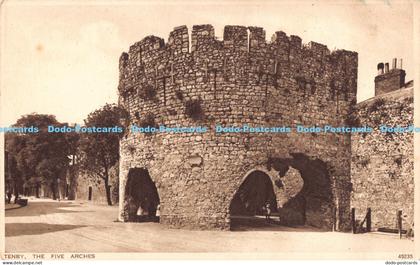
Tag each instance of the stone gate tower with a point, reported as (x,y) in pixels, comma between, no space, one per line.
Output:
(199,179)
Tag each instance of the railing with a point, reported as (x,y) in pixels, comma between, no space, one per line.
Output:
(366,224)
(399,223)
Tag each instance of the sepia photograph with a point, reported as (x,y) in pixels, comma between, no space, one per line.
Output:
(208,129)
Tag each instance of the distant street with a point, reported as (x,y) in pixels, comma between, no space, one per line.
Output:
(51,226)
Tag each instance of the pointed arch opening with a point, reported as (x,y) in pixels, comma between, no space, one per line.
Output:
(251,200)
(142,197)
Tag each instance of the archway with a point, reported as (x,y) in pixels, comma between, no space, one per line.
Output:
(313,205)
(141,196)
(250,199)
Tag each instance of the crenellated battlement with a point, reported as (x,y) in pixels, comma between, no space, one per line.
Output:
(242,55)
(236,38)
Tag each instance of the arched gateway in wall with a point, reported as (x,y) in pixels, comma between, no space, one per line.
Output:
(254,193)
(141,196)
(240,80)
(311,203)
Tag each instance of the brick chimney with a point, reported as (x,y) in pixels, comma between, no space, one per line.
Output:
(387,79)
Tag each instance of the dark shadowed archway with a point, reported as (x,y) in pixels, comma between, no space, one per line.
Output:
(313,205)
(253,194)
(141,196)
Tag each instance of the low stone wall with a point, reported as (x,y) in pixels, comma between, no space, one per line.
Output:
(98,194)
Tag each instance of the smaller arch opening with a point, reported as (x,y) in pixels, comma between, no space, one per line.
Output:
(142,197)
(251,201)
(308,188)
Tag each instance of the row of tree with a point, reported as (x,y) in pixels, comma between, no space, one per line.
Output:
(43,159)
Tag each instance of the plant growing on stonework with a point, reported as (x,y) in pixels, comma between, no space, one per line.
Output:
(149,92)
(131,149)
(364,135)
(353,121)
(398,161)
(389,135)
(148,121)
(301,81)
(179,95)
(100,151)
(364,162)
(193,109)
(172,112)
(375,105)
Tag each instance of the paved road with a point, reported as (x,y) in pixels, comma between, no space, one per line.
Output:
(50,226)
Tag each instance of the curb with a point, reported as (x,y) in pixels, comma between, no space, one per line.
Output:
(13,208)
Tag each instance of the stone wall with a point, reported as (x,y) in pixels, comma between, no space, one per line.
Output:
(242,79)
(84,181)
(382,170)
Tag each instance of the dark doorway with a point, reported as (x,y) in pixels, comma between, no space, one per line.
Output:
(141,196)
(313,205)
(249,201)
(90,194)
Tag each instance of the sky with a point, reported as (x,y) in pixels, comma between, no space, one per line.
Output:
(61,58)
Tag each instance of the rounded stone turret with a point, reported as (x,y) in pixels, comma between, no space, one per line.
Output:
(240,80)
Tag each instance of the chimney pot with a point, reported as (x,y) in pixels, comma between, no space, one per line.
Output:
(380,68)
(394,63)
(389,81)
(401,63)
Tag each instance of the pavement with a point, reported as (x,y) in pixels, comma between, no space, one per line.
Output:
(67,226)
(11,206)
